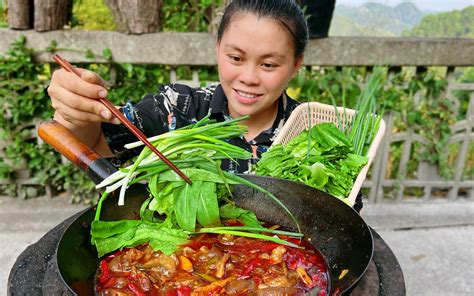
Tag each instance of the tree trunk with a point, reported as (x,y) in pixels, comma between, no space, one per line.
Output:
(215,15)
(52,14)
(136,16)
(20,14)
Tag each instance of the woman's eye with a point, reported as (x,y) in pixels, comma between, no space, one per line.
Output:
(235,58)
(268,66)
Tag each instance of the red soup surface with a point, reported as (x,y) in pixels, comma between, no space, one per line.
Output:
(213,264)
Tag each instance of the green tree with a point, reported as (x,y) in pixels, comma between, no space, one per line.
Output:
(457,24)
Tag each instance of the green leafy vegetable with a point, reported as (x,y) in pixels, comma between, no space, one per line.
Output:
(208,207)
(186,205)
(325,156)
(230,211)
(197,150)
(136,233)
(328,165)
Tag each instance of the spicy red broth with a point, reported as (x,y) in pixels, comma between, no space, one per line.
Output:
(213,264)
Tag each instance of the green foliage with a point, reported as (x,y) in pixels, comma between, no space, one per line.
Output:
(178,16)
(3,16)
(334,84)
(457,23)
(466,76)
(188,16)
(21,95)
(130,82)
(24,101)
(92,15)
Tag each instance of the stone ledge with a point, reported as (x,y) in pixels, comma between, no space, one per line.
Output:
(199,48)
(419,214)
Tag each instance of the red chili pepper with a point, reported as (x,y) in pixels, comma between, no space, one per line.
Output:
(257,280)
(322,293)
(233,222)
(110,283)
(294,258)
(251,264)
(171,292)
(134,276)
(319,279)
(249,267)
(105,272)
(267,247)
(263,247)
(135,289)
(184,291)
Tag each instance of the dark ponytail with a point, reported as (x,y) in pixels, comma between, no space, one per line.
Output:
(287,12)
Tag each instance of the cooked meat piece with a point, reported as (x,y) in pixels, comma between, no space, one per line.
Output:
(119,265)
(274,291)
(277,254)
(214,288)
(220,266)
(239,286)
(226,239)
(273,280)
(164,266)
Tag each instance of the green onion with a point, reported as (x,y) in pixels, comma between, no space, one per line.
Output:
(362,129)
(249,234)
(258,229)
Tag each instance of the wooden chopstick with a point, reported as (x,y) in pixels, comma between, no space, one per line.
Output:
(68,67)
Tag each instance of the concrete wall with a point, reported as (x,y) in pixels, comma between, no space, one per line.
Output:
(199,48)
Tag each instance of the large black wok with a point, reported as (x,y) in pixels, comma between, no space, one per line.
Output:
(334,228)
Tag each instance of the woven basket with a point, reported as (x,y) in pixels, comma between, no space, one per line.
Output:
(308,114)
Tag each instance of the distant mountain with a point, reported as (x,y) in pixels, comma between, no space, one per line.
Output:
(374,19)
(454,24)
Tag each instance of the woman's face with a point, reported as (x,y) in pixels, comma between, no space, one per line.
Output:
(255,60)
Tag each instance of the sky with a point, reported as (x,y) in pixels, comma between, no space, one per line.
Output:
(425,5)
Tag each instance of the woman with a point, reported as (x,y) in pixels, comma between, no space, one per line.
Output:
(260,47)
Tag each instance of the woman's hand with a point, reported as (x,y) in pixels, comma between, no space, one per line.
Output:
(76,99)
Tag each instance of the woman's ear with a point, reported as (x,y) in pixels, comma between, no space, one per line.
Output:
(298,62)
